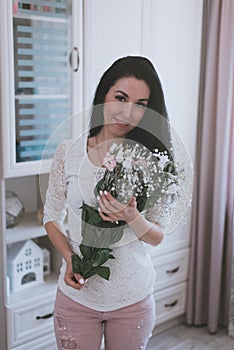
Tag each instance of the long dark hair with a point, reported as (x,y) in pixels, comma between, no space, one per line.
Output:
(153,130)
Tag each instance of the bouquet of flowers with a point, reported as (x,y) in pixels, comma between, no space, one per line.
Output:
(129,170)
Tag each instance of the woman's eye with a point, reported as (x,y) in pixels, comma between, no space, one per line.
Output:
(120,98)
(141,105)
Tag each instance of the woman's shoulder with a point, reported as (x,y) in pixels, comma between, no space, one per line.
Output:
(72,151)
(63,148)
(70,145)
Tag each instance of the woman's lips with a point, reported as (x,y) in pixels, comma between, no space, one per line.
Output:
(120,124)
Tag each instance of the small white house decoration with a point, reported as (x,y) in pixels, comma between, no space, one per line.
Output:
(46,261)
(24,265)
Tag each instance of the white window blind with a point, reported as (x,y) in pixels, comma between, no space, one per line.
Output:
(42,43)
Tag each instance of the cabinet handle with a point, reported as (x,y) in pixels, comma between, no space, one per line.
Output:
(74,59)
(173,270)
(172,304)
(45,316)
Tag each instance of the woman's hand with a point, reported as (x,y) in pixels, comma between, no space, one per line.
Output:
(112,210)
(72,279)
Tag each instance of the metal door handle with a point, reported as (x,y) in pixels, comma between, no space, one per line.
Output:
(44,316)
(172,304)
(173,270)
(74,59)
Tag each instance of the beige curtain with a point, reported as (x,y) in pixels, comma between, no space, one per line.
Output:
(210,263)
(230,223)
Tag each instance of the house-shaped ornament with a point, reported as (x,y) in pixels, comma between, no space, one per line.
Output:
(46,261)
(24,265)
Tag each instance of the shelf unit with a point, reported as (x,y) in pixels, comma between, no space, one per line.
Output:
(43,82)
(92,39)
(28,228)
(41,87)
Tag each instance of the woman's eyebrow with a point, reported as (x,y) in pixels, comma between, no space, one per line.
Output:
(126,95)
(122,92)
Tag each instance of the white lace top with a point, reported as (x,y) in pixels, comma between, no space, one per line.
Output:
(132,276)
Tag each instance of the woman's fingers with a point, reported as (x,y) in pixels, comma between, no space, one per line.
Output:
(104,216)
(79,279)
(109,203)
(107,210)
(110,209)
(74,280)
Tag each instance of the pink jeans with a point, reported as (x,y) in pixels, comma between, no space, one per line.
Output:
(80,328)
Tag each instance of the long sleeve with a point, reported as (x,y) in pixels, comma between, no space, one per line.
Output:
(156,214)
(55,203)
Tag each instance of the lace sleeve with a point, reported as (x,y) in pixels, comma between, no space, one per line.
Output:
(155,214)
(55,203)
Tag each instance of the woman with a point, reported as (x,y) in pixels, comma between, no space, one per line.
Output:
(127,100)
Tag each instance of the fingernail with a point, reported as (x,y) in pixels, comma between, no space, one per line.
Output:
(99,209)
(98,198)
(116,222)
(101,192)
(105,192)
(81,281)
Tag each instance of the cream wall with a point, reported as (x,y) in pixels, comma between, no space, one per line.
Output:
(174,47)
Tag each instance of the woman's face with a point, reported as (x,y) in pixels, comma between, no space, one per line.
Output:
(124,106)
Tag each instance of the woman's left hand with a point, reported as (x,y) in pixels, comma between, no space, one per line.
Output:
(110,209)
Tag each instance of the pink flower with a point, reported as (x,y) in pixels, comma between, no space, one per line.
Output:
(109,162)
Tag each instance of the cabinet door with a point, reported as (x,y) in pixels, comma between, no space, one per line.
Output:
(40,68)
(170,303)
(112,29)
(27,323)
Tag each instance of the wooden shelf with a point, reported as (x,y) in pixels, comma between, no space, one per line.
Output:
(27,228)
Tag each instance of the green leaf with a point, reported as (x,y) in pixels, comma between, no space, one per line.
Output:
(76,263)
(104,272)
(102,256)
(86,268)
(86,251)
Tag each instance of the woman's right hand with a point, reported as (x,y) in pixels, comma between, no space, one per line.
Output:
(74,280)
(61,243)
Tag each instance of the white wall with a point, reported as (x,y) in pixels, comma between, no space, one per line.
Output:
(174,47)
(111,29)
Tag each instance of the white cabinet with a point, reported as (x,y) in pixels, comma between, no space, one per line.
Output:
(41,87)
(30,321)
(52,55)
(172,41)
(41,49)
(170,303)
(171,262)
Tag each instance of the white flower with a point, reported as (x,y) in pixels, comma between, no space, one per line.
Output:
(113,148)
(109,162)
(120,156)
(162,161)
(127,163)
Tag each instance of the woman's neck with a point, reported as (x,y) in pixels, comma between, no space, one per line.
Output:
(106,138)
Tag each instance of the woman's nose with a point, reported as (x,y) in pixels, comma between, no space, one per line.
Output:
(127,110)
